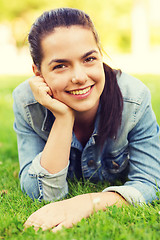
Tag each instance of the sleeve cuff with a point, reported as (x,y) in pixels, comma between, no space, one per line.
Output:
(54,186)
(130,194)
(38,170)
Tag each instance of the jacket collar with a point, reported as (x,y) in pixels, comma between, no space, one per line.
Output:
(48,121)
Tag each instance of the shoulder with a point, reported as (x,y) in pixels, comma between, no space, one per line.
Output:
(132,89)
(23,93)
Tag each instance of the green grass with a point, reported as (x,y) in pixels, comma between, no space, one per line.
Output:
(153,83)
(123,223)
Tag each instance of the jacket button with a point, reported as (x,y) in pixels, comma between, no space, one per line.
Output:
(90,163)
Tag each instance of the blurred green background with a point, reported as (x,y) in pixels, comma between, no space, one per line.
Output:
(111,17)
(129,31)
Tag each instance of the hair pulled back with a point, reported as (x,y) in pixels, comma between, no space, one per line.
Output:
(111,98)
(48,21)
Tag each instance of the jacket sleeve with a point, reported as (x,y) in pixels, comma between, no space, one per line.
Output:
(144,164)
(35,181)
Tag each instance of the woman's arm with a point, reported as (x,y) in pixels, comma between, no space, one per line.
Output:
(36,181)
(53,159)
(55,155)
(68,212)
(144,154)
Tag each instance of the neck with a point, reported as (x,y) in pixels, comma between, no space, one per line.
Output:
(84,125)
(86,118)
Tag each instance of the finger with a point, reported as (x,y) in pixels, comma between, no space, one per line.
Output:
(45,88)
(42,87)
(43,223)
(36,78)
(46,227)
(28,224)
(37,82)
(49,91)
(62,225)
(34,220)
(57,228)
(36,226)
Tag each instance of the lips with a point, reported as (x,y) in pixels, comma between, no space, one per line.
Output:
(80,92)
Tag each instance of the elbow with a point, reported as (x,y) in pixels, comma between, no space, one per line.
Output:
(29,186)
(35,189)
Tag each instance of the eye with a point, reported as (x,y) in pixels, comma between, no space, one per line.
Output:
(90,59)
(60,66)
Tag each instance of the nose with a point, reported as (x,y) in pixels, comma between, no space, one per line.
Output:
(79,75)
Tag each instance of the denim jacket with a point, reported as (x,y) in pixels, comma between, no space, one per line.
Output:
(134,154)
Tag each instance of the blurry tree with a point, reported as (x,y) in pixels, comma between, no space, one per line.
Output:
(154,6)
(9,10)
(140,27)
(18,14)
(112,18)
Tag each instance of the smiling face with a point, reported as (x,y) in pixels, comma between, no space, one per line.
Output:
(72,67)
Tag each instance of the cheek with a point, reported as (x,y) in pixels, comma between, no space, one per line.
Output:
(99,75)
(102,75)
(57,86)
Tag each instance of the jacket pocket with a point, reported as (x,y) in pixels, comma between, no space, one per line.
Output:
(115,162)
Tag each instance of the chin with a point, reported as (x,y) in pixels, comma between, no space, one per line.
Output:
(85,108)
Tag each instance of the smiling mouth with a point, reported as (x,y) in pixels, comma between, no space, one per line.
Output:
(80,92)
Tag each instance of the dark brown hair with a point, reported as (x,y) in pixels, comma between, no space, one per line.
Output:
(111,98)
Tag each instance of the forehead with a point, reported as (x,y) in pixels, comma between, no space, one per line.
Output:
(67,40)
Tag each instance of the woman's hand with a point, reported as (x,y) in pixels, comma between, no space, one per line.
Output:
(71,211)
(43,95)
(63,213)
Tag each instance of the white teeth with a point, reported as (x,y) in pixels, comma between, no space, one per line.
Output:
(80,92)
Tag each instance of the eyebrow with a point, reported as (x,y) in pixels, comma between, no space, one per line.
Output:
(89,53)
(65,60)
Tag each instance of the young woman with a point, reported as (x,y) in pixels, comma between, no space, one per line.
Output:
(80,118)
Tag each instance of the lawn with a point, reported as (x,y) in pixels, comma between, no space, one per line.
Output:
(123,223)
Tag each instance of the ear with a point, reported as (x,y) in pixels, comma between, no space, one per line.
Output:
(35,70)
